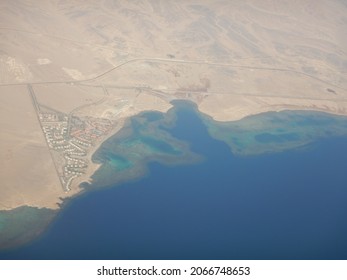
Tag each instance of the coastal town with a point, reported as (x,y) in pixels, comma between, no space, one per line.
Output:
(69,139)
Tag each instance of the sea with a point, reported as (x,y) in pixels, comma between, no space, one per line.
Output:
(183,186)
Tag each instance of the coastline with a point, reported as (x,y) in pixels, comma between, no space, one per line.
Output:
(93,167)
(169,189)
(43,213)
(235,110)
(225,114)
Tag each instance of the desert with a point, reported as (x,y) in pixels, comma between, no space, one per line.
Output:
(72,73)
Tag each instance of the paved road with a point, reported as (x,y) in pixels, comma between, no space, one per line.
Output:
(203,62)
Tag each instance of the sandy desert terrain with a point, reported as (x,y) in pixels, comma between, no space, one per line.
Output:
(71,73)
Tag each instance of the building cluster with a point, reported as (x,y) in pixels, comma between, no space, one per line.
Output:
(85,132)
(72,138)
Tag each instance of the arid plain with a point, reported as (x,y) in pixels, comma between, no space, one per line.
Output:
(72,72)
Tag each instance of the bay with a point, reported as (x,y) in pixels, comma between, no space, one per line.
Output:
(286,204)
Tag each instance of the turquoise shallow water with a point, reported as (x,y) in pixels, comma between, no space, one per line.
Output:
(273,132)
(23,224)
(275,189)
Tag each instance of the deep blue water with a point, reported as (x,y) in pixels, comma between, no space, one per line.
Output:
(286,205)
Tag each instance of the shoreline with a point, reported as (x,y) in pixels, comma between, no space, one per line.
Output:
(82,207)
(93,167)
(76,188)
(221,112)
